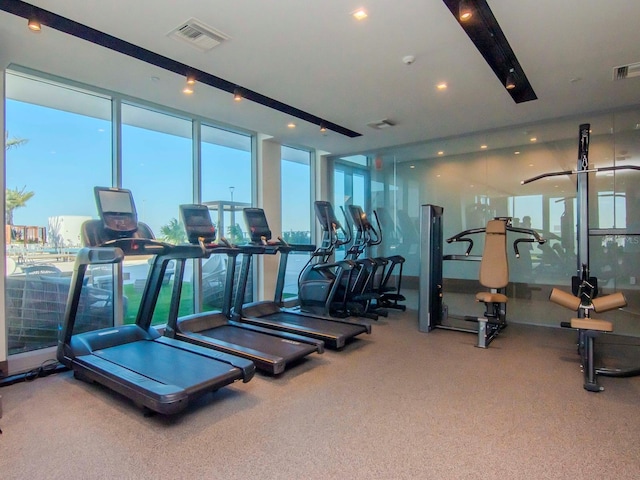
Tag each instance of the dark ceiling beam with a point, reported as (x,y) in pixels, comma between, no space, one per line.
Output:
(65,25)
(485,33)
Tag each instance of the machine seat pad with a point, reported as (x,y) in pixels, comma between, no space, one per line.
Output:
(489,297)
(592,324)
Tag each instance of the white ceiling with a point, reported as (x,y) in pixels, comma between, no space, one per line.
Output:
(314,56)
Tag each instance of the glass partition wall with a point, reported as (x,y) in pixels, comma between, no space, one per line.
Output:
(478,177)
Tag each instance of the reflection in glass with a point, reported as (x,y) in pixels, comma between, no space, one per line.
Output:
(58,148)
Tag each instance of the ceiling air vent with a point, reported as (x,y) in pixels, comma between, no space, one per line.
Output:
(626,71)
(381,124)
(198,35)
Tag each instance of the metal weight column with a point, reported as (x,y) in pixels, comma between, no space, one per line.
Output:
(430,280)
(583,202)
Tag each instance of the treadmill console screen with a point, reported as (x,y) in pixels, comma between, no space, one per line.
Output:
(117,210)
(325,214)
(257,224)
(197,223)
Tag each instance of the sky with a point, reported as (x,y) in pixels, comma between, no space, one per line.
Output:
(67,154)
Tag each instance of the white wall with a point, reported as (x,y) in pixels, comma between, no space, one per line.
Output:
(270,199)
(68,227)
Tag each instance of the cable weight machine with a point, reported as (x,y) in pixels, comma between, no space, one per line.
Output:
(584,297)
(494,274)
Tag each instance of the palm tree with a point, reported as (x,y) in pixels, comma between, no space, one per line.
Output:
(13,142)
(173,232)
(15,198)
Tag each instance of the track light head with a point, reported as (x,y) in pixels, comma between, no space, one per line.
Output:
(465,10)
(34,24)
(510,83)
(237,94)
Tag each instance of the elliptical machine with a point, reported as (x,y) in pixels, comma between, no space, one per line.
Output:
(320,281)
(372,283)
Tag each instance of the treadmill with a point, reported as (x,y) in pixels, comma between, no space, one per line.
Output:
(271,314)
(270,350)
(157,373)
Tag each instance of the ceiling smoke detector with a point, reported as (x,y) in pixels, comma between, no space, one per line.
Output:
(198,35)
(381,124)
(626,71)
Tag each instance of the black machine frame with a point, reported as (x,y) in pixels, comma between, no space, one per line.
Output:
(587,336)
(272,314)
(432,312)
(157,373)
(270,350)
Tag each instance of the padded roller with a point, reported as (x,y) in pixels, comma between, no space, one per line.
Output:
(565,299)
(609,302)
(592,324)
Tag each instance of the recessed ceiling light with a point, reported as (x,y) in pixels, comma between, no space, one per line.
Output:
(517,152)
(187,90)
(412,166)
(483,147)
(440,152)
(442,86)
(291,125)
(360,14)
(533,139)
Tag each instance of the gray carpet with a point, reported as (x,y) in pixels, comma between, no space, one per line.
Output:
(397,404)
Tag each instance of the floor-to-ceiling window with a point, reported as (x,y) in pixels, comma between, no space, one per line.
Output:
(157,168)
(62,140)
(226,189)
(352,186)
(58,144)
(295,171)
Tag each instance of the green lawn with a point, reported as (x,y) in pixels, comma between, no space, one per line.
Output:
(161,312)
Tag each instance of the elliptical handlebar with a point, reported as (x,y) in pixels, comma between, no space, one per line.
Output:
(348,234)
(377,234)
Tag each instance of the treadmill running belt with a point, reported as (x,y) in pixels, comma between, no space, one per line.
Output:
(168,365)
(312,324)
(260,342)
